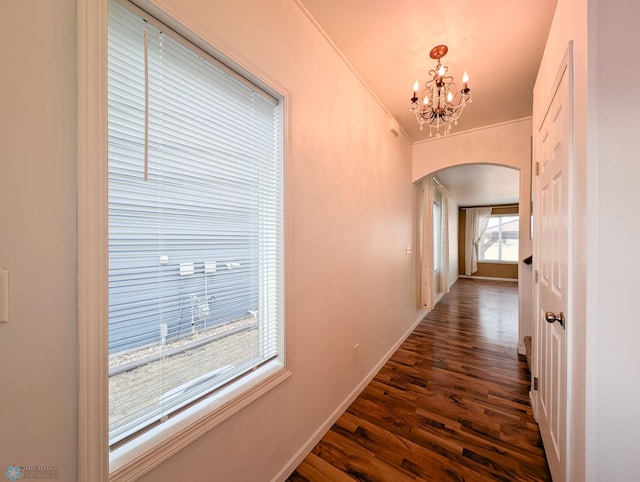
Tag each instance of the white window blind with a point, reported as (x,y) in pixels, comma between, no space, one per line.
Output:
(195,224)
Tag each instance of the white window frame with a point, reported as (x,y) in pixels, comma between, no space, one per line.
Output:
(133,459)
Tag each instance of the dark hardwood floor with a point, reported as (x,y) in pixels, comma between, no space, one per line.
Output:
(451,404)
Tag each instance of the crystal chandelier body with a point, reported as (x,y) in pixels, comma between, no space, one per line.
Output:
(436,106)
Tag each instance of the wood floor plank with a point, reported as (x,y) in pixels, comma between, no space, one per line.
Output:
(361,462)
(315,469)
(452,403)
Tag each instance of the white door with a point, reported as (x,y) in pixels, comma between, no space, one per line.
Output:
(551,238)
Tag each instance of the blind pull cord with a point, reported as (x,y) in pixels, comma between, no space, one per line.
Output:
(146,105)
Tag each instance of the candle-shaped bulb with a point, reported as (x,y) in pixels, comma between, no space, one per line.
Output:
(415,87)
(425,101)
(441,71)
(465,80)
(449,97)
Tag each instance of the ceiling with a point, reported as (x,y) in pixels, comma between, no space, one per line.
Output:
(481,184)
(500,45)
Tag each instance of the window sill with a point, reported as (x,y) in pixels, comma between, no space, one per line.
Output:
(490,261)
(158,444)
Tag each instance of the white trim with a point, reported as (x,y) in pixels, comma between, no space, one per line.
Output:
(570,263)
(92,250)
(306,448)
(588,218)
(482,128)
(489,278)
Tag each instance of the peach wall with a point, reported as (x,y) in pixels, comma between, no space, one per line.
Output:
(507,144)
(38,367)
(350,215)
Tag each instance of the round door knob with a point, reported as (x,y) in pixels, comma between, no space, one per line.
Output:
(551,317)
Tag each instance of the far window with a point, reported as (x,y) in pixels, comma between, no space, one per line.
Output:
(500,240)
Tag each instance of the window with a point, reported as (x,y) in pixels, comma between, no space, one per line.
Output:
(195,225)
(500,240)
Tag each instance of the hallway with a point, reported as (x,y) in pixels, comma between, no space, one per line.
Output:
(451,404)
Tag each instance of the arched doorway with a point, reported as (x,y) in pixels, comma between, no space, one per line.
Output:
(505,146)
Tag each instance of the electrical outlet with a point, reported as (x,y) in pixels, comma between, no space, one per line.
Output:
(356,352)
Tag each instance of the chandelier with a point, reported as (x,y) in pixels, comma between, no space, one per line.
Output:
(436,105)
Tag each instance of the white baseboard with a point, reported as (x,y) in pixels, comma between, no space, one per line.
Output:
(514,280)
(437,298)
(453,281)
(299,456)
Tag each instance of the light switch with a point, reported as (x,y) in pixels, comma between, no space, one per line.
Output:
(4,295)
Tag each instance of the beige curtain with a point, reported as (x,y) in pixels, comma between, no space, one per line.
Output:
(475,226)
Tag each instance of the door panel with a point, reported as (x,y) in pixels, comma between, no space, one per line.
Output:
(552,252)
